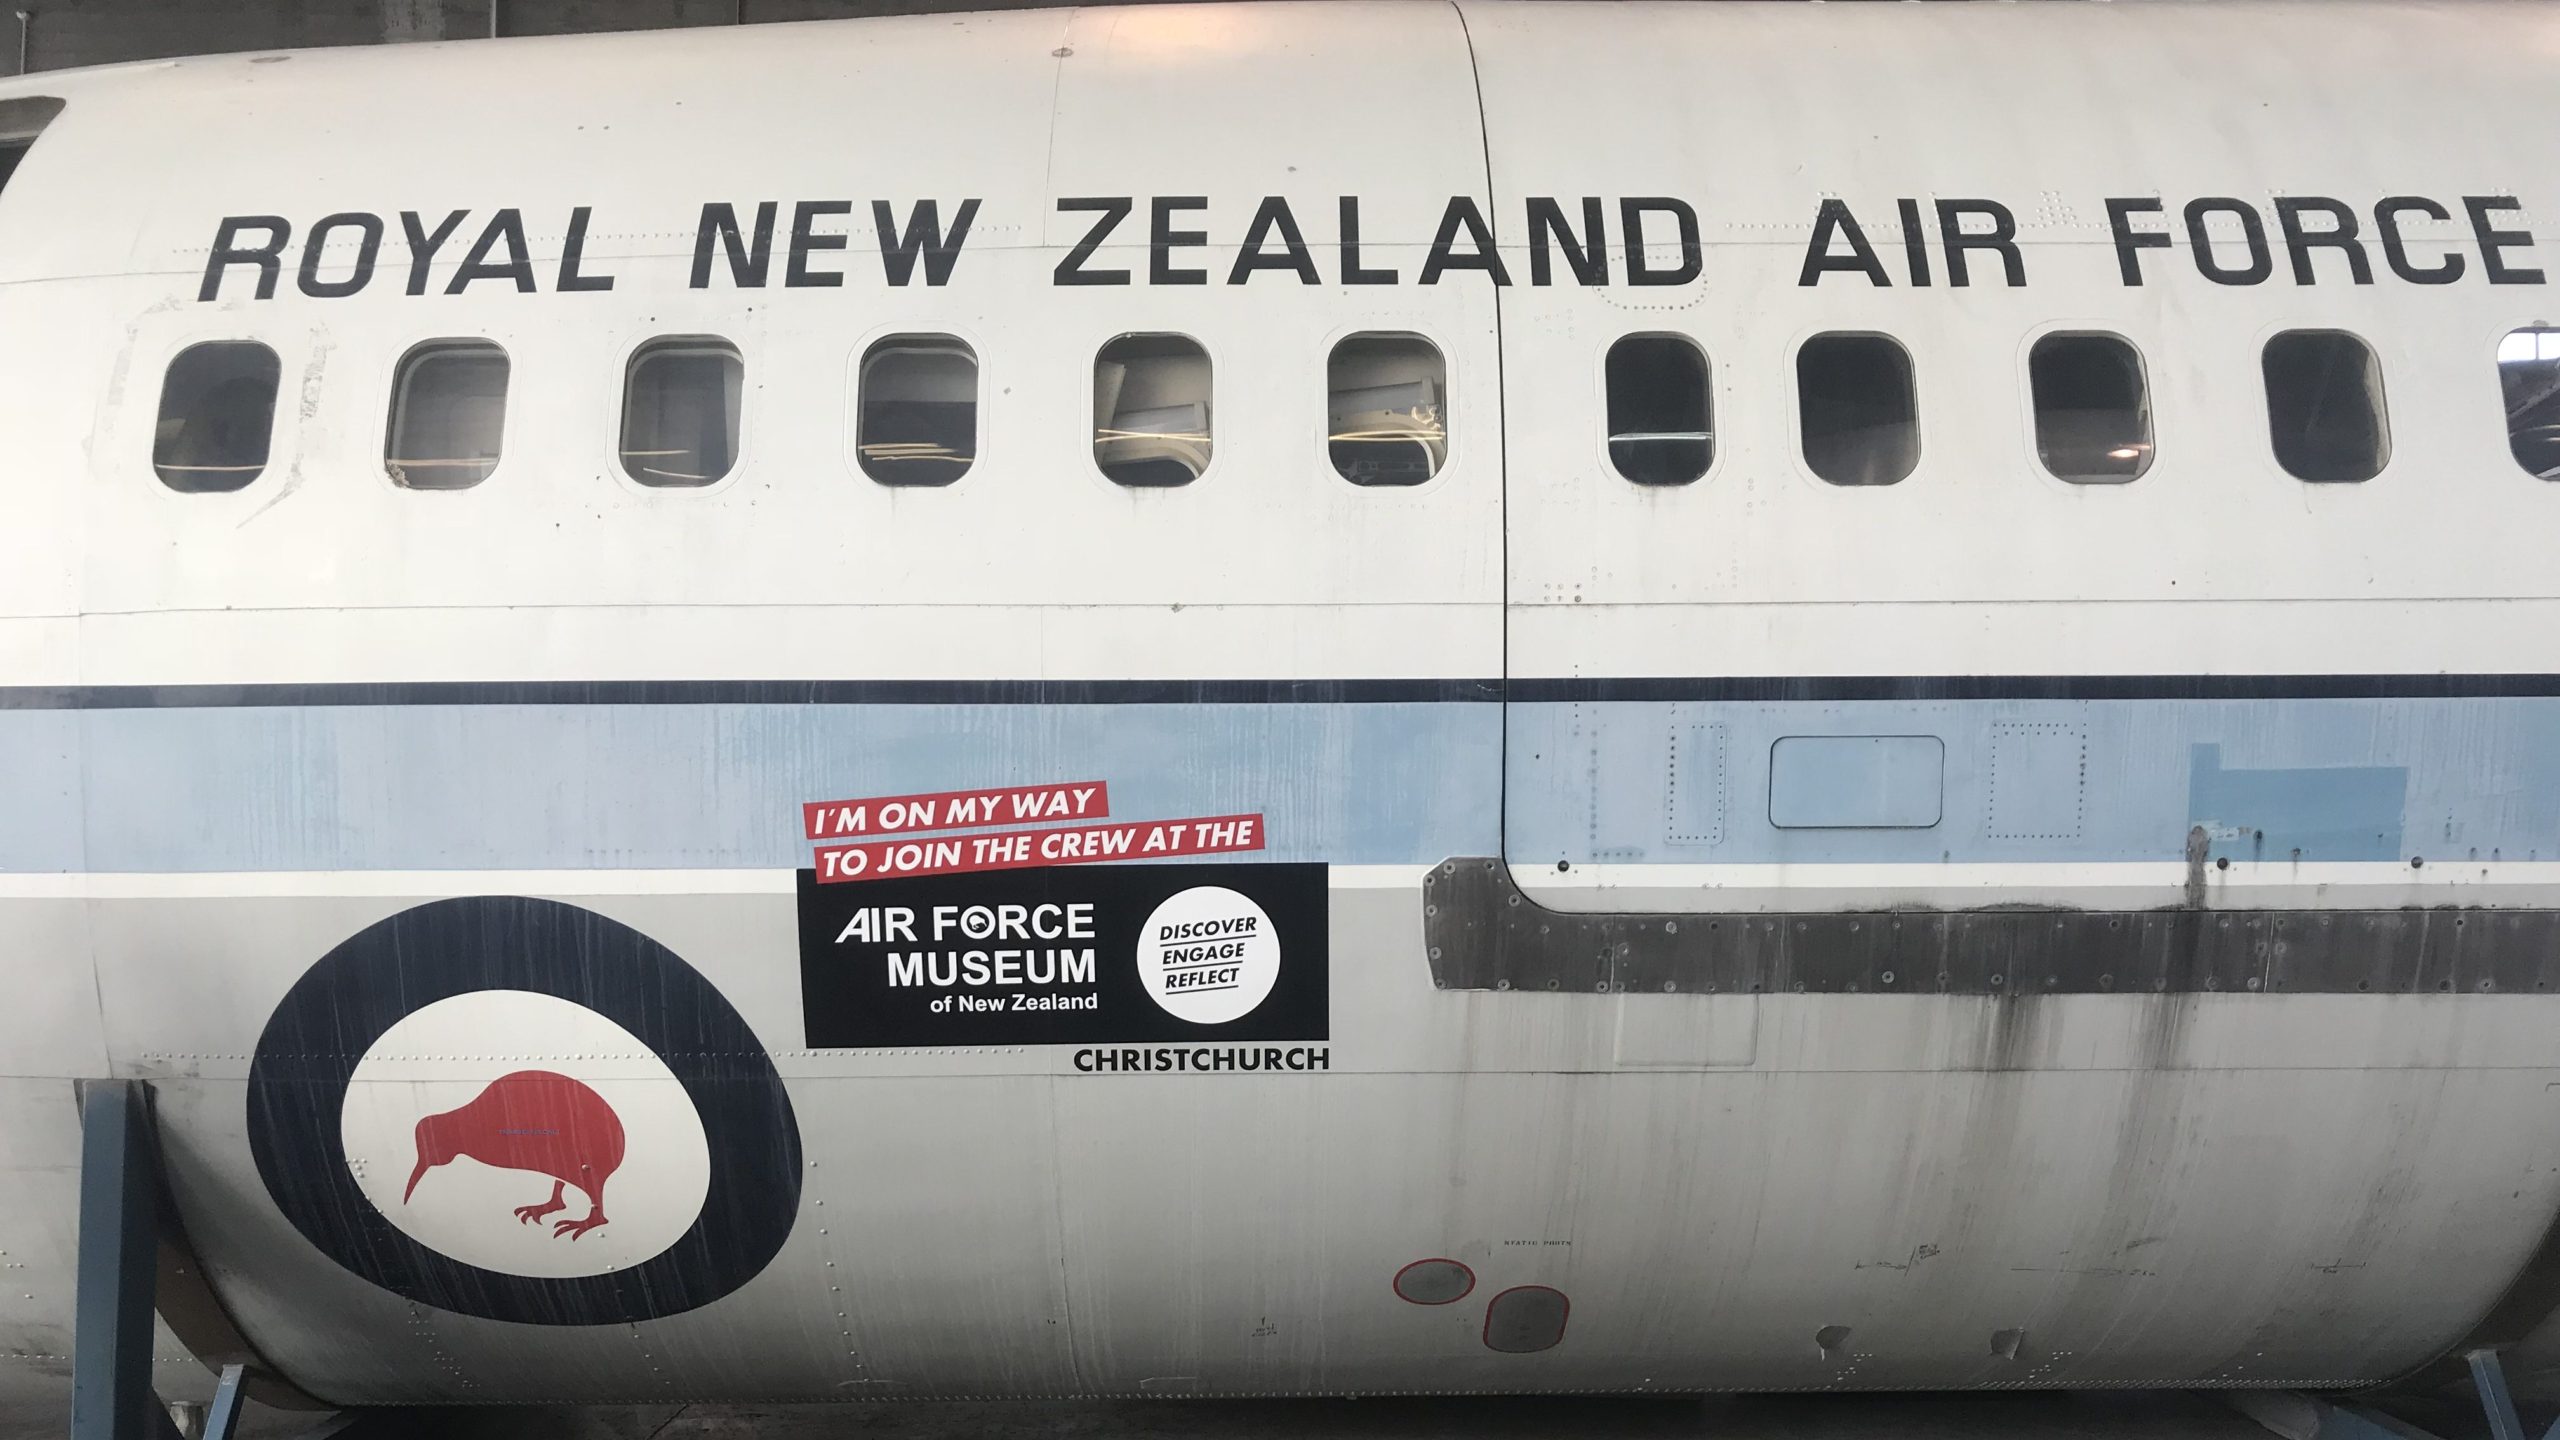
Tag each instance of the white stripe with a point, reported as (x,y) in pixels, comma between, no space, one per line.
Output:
(783,642)
(195,885)
(603,642)
(1673,888)
(2188,636)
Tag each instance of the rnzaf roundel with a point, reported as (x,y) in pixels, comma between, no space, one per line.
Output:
(524,1110)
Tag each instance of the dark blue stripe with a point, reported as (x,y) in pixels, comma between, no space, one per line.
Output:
(2035,687)
(753,692)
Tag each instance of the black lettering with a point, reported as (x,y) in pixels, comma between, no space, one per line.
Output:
(1352,271)
(2395,248)
(2261,263)
(506,226)
(423,244)
(1084,1061)
(922,236)
(748,263)
(2339,234)
(1832,220)
(2492,240)
(1915,241)
(1548,227)
(2130,243)
(805,241)
(573,254)
(228,251)
(2001,237)
(1640,271)
(368,247)
(1273,215)
(1162,238)
(1113,209)
(1461,213)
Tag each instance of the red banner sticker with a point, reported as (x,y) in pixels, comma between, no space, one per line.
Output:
(1025,849)
(955,810)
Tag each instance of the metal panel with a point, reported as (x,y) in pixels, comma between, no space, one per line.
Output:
(2340,812)
(1694,787)
(1857,782)
(2037,787)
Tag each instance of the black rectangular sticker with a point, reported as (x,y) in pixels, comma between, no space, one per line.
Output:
(1075,955)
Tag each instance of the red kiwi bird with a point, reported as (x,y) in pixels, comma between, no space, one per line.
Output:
(532,1120)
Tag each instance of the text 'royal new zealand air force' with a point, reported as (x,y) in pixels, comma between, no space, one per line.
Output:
(1648,240)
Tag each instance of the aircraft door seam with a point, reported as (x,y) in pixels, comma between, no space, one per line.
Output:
(1501,450)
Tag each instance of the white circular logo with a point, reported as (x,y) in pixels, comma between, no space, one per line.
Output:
(523,1133)
(1208,955)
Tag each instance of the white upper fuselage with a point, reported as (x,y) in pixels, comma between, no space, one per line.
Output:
(1035,566)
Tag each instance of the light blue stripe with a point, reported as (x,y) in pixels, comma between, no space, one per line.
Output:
(720,786)
(2046,780)
(715,786)
(2335,812)
(40,790)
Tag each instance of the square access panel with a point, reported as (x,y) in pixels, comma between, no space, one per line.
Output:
(1856,782)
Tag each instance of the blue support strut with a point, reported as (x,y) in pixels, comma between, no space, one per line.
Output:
(2497,1401)
(225,1415)
(111,1397)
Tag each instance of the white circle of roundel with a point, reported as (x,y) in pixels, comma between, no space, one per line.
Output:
(1208,955)
(525,1080)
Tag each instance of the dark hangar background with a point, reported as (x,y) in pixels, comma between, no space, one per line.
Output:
(59,34)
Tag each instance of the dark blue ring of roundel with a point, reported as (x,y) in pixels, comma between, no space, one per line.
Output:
(322,1028)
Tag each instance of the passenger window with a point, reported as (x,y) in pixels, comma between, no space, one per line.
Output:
(217,413)
(918,421)
(1860,419)
(2093,410)
(2529,373)
(448,415)
(1151,420)
(1384,398)
(1658,410)
(680,411)
(2324,406)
